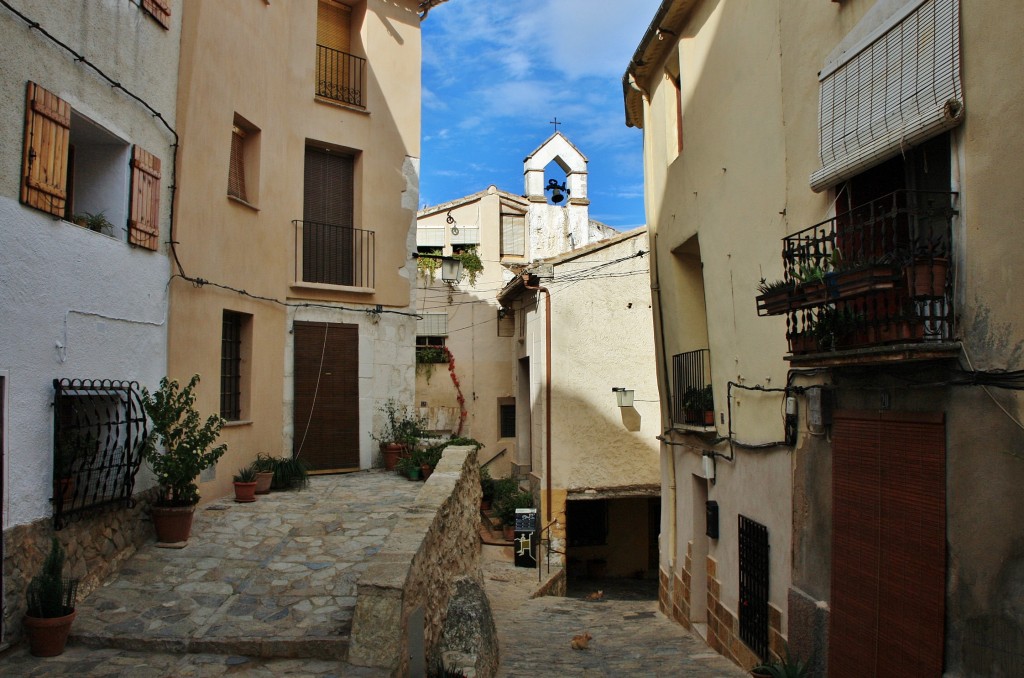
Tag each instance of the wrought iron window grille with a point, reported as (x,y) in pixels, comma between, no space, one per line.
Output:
(339,76)
(754,569)
(692,397)
(334,255)
(99,428)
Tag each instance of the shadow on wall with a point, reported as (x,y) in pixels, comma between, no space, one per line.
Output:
(630,418)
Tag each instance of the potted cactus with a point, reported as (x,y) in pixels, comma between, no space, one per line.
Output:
(51,605)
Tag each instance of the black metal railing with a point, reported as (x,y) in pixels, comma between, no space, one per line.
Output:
(339,75)
(754,569)
(692,398)
(334,255)
(880,273)
(99,429)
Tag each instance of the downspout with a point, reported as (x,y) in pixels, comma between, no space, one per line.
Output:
(547,388)
(656,289)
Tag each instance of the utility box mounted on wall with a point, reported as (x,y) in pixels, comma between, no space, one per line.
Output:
(711,529)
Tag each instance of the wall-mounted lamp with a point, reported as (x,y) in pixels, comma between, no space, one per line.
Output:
(557,189)
(451,268)
(624,396)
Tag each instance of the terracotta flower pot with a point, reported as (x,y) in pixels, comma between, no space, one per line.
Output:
(245,492)
(390,454)
(173,523)
(48,635)
(426,470)
(508,532)
(263,481)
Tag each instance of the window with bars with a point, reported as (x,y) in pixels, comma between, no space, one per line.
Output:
(231,365)
(507,417)
(754,568)
(99,428)
(243,168)
(513,235)
(75,169)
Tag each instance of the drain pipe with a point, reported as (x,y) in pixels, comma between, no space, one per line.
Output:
(547,386)
(656,288)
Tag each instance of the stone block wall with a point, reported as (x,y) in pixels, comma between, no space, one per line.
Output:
(435,542)
(96,544)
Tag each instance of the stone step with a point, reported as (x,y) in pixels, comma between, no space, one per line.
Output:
(305,646)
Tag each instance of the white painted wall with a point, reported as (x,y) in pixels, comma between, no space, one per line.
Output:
(75,304)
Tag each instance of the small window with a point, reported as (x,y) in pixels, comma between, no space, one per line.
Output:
(507,417)
(233,377)
(244,166)
(430,342)
(339,72)
(513,235)
(76,169)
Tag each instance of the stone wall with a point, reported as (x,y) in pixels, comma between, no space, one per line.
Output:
(435,542)
(96,545)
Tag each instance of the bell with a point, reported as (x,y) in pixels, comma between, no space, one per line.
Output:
(556,195)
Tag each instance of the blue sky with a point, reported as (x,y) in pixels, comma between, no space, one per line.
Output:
(495,73)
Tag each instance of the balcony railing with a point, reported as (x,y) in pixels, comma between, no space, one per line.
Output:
(334,255)
(878,274)
(692,400)
(98,430)
(339,75)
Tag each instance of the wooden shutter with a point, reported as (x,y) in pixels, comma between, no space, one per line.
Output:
(236,171)
(159,10)
(513,235)
(144,210)
(334,26)
(896,92)
(888,544)
(45,162)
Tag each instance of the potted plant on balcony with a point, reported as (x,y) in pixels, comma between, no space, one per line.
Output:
(178,449)
(774,297)
(51,605)
(699,404)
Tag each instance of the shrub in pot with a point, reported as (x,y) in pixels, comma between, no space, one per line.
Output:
(290,474)
(178,449)
(51,605)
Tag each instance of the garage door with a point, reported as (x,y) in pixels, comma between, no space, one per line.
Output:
(888,544)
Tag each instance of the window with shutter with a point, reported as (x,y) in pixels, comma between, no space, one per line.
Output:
(513,235)
(244,163)
(144,219)
(333,252)
(339,73)
(44,177)
(159,10)
(236,170)
(895,89)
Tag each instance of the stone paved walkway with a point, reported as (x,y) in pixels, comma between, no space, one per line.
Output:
(271,579)
(630,637)
(267,589)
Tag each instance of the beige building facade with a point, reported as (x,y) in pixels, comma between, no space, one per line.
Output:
(506,232)
(583,330)
(299,161)
(867,413)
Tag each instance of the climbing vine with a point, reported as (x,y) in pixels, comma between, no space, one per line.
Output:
(458,390)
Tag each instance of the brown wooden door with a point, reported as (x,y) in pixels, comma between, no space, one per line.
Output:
(326,409)
(888,544)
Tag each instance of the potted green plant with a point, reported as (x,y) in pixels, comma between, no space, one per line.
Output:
(783,668)
(245,485)
(398,432)
(774,296)
(408,467)
(486,489)
(699,404)
(51,605)
(178,449)
(264,466)
(506,509)
(430,457)
(97,222)
(290,473)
